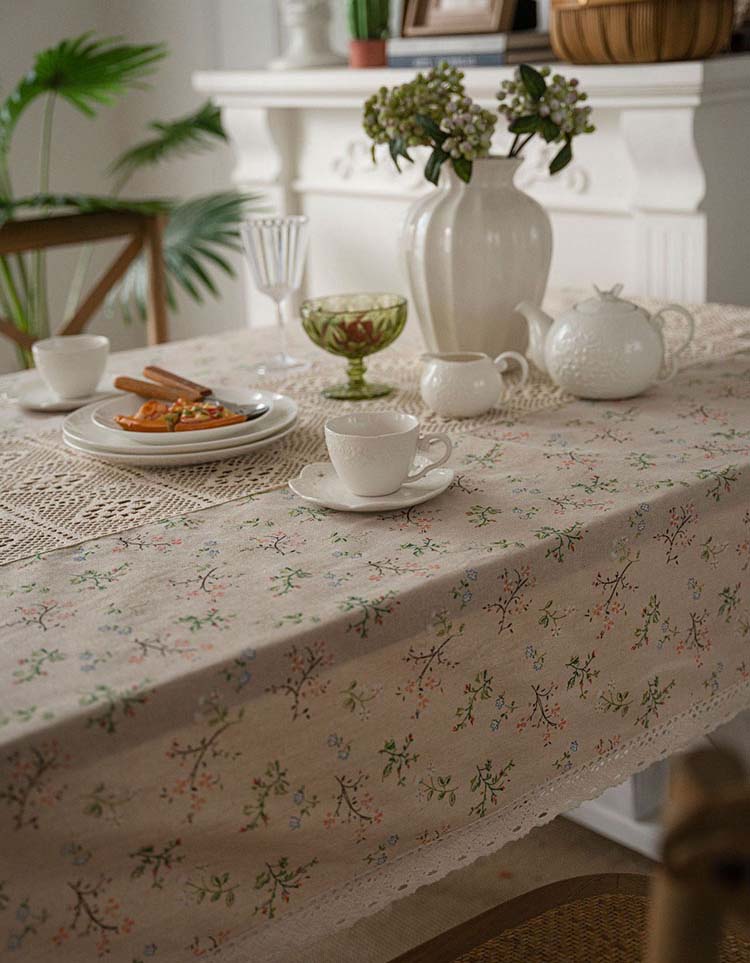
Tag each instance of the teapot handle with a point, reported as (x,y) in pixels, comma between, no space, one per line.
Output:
(658,320)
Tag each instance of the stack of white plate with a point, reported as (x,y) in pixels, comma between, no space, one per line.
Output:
(93,431)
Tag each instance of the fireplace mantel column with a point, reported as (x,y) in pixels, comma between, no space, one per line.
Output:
(263,143)
(670,227)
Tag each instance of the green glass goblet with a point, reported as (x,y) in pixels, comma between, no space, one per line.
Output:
(354,326)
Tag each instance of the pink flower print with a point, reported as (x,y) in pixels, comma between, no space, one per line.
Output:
(206,780)
(180,787)
(60,936)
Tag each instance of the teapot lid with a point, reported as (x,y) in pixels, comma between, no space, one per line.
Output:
(607,303)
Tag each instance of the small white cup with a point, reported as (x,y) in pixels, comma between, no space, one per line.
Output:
(466,385)
(71,366)
(373,451)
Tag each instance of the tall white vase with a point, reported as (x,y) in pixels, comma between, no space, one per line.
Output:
(473,252)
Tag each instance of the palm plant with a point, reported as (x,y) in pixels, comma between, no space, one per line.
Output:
(86,74)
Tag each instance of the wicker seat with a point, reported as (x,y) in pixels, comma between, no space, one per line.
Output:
(628,919)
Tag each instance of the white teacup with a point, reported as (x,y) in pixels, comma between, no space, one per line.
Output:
(466,385)
(373,451)
(71,366)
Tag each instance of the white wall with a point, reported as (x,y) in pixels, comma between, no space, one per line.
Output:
(201,34)
(81,148)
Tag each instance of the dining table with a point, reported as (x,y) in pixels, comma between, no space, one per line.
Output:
(232,721)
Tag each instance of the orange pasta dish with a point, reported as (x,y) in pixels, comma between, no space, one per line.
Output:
(180,415)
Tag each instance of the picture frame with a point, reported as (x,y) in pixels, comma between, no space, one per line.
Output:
(423,18)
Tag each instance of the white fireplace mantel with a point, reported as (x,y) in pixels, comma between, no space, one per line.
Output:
(658,197)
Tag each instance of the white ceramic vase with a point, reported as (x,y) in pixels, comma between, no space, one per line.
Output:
(473,252)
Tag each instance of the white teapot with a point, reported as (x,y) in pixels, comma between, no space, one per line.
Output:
(605,347)
(466,385)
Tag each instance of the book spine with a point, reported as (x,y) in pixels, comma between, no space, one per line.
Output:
(515,57)
(453,60)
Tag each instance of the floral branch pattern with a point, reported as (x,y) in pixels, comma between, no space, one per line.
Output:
(581,673)
(157,862)
(371,611)
(696,639)
(123,702)
(280,882)
(304,678)
(612,586)
(677,536)
(613,701)
(29,782)
(512,601)
(477,691)
(544,713)
(273,782)
(216,888)
(552,618)
(564,539)
(33,666)
(440,788)
(397,760)
(428,660)
(489,785)
(723,479)
(654,698)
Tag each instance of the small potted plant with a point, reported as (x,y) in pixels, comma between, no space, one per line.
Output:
(368,27)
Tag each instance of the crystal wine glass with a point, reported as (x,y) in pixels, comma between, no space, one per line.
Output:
(276,249)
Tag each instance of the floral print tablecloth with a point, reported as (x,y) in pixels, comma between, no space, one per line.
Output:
(231,729)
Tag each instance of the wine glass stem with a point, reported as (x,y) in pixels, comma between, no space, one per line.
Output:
(282,330)
(356,372)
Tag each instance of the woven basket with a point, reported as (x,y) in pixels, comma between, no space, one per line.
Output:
(639,31)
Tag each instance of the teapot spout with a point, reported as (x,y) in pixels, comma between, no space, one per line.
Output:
(539,327)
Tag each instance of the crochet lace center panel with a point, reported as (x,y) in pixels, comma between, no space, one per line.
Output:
(51,498)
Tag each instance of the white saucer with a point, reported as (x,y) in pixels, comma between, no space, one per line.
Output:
(320,485)
(36,396)
(146,459)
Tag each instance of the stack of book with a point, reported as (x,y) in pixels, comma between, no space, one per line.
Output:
(470,50)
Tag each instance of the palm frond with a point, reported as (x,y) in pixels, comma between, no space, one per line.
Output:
(84,72)
(82,203)
(198,234)
(174,138)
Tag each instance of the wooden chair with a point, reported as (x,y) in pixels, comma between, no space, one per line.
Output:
(146,230)
(675,918)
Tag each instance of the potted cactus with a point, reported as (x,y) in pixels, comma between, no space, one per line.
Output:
(368,27)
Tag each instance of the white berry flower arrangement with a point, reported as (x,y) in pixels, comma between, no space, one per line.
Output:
(434,111)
